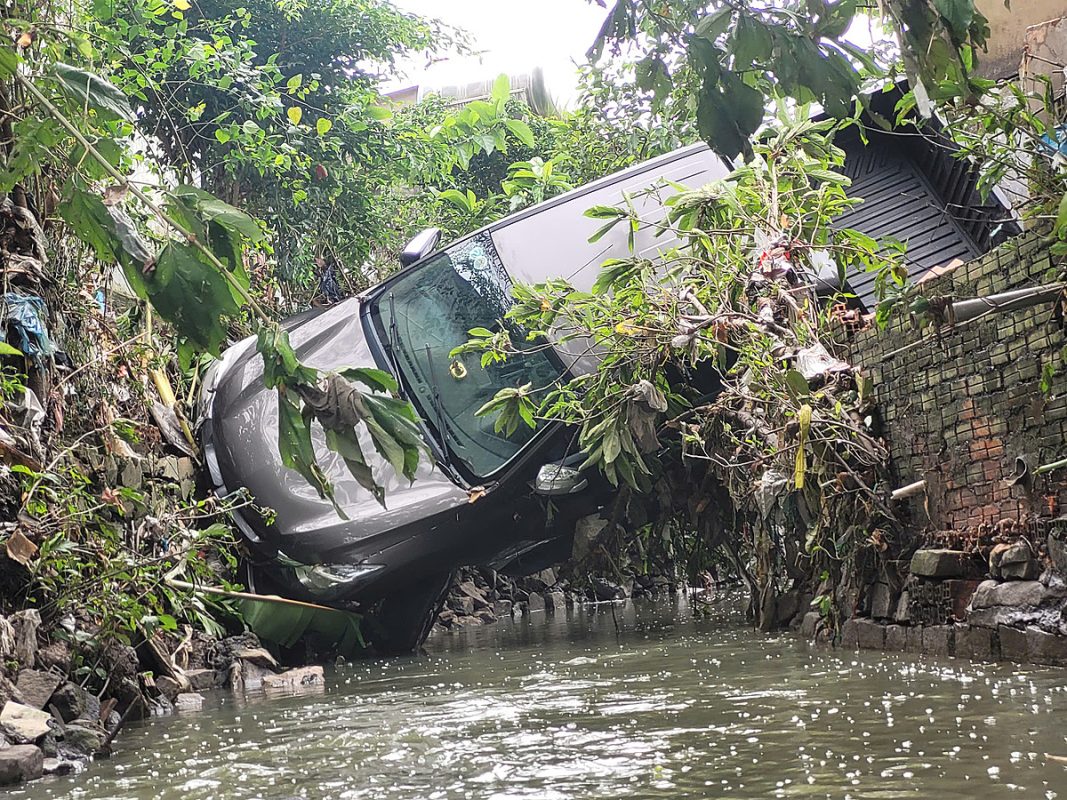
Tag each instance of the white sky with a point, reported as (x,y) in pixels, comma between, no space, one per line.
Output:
(515,37)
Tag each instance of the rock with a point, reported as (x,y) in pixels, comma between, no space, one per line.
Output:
(121,661)
(168,687)
(71,701)
(945,564)
(540,581)
(850,634)
(8,690)
(23,762)
(502,608)
(202,679)
(59,766)
(296,679)
(1045,648)
(1057,551)
(258,656)
(896,638)
(556,602)
(187,702)
(870,635)
(477,596)
(938,640)
(606,590)
(223,653)
(36,686)
(913,639)
(787,607)
(247,675)
(159,706)
(977,644)
(881,599)
(55,656)
(86,739)
(586,532)
(25,624)
(462,605)
(903,611)
(1011,593)
(960,593)
(1012,643)
(24,724)
(535,603)
(810,625)
(1013,562)
(128,693)
(485,616)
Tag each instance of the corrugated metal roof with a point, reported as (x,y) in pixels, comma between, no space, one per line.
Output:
(917,191)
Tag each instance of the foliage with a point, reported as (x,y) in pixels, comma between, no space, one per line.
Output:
(712,362)
(271,106)
(717,65)
(466,167)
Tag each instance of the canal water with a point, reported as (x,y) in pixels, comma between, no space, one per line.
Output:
(658,701)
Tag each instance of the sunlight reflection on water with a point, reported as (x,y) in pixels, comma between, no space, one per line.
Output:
(674,705)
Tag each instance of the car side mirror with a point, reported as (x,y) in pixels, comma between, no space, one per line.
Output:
(422,245)
(558,479)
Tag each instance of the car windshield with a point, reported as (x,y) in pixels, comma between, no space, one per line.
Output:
(426,313)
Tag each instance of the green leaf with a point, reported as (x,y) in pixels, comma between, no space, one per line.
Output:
(90,221)
(347,446)
(222,135)
(9,61)
(604,212)
(456,198)
(192,295)
(8,350)
(1061,216)
(214,210)
(752,44)
(958,14)
(323,125)
(295,114)
(379,112)
(377,379)
(85,87)
(521,131)
(294,444)
(501,88)
(797,383)
(294,82)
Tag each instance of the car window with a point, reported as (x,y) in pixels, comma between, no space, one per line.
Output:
(427,312)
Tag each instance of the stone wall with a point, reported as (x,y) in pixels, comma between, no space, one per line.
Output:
(961,409)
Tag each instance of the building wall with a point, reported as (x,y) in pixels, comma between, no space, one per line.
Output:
(1008,27)
(960,407)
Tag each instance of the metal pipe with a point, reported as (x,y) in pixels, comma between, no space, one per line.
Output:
(965,310)
(908,491)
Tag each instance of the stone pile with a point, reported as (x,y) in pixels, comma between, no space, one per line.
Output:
(50,724)
(1010,604)
(481,596)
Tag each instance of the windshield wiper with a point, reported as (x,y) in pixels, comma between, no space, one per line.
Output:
(438,406)
(394,343)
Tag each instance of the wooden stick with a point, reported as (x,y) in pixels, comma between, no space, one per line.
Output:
(269,598)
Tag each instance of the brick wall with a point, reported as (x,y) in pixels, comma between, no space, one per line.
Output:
(961,406)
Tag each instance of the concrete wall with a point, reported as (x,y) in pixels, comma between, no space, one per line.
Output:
(1008,31)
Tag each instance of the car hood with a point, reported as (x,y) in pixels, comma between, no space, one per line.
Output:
(241,442)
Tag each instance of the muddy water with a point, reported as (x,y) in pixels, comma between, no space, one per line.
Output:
(652,702)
